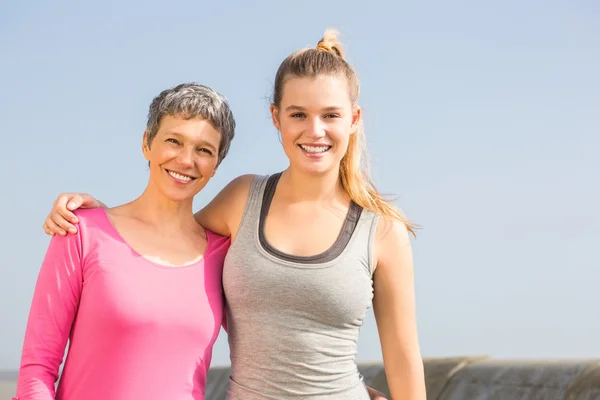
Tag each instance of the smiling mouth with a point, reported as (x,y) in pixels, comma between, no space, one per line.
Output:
(179,176)
(314,149)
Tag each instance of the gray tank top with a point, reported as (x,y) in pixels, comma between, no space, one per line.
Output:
(294,322)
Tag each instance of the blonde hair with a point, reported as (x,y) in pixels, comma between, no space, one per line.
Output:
(327,58)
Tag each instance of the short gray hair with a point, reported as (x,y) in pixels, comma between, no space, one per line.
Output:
(192,100)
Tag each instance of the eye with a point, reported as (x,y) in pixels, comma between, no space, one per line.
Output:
(174,141)
(298,115)
(332,116)
(205,150)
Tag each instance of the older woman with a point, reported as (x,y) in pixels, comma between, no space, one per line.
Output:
(137,292)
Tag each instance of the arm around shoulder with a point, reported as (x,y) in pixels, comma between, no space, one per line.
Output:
(394,307)
(224,213)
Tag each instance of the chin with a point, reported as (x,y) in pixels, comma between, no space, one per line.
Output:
(316,169)
(179,197)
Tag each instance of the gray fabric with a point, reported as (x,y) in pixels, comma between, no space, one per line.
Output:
(293,327)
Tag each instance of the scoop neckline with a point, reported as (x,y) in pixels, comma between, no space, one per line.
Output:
(115,231)
(334,252)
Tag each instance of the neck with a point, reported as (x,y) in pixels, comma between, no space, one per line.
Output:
(301,186)
(156,209)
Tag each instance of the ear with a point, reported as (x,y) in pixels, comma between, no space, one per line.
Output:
(145,146)
(275,116)
(356,117)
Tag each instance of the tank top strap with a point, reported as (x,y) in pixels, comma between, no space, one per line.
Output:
(366,229)
(250,219)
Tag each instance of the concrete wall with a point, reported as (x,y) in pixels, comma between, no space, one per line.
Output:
(520,379)
(480,378)
(459,378)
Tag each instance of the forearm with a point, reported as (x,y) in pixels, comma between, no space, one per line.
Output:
(406,379)
(35,382)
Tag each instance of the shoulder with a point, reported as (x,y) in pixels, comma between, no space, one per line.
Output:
(235,192)
(240,186)
(223,213)
(92,223)
(392,241)
(91,219)
(244,180)
(93,226)
(90,216)
(392,230)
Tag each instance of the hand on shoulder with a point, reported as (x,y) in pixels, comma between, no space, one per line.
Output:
(62,218)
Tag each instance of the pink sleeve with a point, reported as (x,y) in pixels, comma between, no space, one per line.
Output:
(224,322)
(51,316)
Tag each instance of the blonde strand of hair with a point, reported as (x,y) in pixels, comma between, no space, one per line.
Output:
(355,179)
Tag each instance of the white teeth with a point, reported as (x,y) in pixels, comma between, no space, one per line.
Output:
(179,176)
(315,149)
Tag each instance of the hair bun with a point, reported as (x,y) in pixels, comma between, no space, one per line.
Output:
(330,43)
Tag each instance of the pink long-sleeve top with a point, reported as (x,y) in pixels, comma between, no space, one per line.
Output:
(136,329)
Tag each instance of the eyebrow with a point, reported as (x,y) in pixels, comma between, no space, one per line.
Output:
(300,108)
(200,142)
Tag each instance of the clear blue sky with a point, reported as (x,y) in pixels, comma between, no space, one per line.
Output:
(483,119)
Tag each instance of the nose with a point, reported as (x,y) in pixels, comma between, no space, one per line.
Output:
(185,158)
(316,128)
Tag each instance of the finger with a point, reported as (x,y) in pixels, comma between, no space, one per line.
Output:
(62,223)
(47,230)
(54,227)
(75,202)
(87,201)
(61,200)
(63,206)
